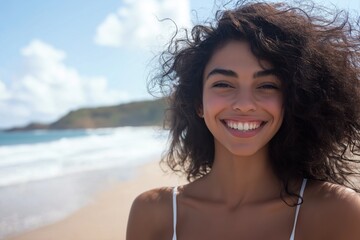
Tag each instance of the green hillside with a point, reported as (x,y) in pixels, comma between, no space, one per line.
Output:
(143,113)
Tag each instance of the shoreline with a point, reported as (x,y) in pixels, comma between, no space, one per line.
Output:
(105,217)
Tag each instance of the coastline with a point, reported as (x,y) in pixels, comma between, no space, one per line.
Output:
(105,217)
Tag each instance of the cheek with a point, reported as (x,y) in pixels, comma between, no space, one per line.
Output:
(271,102)
(274,106)
(209,102)
(212,105)
(277,108)
(279,105)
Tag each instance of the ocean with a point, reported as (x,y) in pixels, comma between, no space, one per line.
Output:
(46,175)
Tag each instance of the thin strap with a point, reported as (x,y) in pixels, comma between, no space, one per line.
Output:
(174,212)
(292,237)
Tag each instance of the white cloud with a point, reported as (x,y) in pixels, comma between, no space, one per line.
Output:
(137,23)
(3,91)
(49,88)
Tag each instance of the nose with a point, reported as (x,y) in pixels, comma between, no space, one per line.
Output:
(244,102)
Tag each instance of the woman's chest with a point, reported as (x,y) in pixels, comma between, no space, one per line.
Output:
(251,222)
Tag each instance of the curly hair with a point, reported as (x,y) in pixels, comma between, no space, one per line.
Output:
(315,52)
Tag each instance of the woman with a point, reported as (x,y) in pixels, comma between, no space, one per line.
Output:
(264,121)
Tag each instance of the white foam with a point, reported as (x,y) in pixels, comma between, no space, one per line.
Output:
(104,148)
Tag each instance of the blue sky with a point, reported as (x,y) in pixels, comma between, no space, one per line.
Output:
(58,56)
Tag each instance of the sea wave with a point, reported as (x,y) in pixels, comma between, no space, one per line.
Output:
(98,149)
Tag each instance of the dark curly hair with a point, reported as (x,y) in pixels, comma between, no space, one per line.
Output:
(315,52)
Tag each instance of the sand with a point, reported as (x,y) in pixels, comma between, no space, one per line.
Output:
(105,218)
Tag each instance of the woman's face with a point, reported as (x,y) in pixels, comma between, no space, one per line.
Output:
(242,101)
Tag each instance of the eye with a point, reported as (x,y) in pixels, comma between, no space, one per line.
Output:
(222,85)
(269,86)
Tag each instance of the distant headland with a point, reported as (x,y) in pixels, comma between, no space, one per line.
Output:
(141,113)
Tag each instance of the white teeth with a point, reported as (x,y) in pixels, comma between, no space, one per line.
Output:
(243,126)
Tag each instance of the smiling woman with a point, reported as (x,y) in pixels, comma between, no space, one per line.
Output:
(239,94)
(264,121)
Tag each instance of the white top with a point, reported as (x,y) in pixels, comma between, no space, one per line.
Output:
(292,237)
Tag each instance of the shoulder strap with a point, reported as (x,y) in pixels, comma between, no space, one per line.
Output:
(292,237)
(174,211)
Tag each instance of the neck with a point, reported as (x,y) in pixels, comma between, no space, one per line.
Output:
(236,180)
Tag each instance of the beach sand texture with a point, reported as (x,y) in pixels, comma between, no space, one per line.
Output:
(105,218)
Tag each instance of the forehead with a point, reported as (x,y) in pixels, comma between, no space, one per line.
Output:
(236,55)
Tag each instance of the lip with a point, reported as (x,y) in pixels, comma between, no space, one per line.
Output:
(259,124)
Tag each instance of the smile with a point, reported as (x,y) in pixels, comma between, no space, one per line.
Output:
(243,126)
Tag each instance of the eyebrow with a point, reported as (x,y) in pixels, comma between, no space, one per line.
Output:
(231,73)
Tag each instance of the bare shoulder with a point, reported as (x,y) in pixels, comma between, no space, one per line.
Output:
(151,215)
(335,208)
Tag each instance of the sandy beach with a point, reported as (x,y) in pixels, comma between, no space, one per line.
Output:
(105,217)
